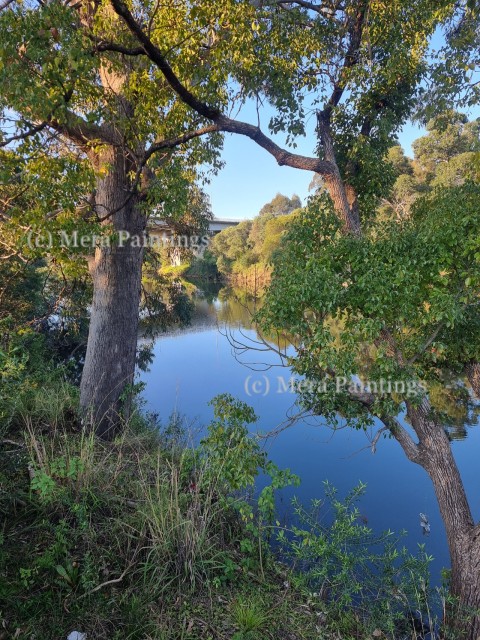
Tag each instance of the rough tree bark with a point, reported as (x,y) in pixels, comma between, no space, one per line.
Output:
(116,273)
(343,196)
(463,536)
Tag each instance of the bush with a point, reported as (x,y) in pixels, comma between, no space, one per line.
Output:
(368,584)
(144,537)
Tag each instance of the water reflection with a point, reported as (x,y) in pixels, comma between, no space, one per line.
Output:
(193,365)
(232,309)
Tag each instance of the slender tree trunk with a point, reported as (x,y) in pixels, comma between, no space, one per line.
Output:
(343,198)
(463,536)
(116,272)
(473,374)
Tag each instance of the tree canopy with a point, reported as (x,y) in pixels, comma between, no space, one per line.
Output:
(254,242)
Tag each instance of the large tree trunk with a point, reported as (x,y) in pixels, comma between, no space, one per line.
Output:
(116,272)
(463,537)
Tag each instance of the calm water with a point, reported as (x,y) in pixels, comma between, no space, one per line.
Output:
(191,366)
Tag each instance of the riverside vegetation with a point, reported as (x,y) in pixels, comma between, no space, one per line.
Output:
(146,537)
(104,123)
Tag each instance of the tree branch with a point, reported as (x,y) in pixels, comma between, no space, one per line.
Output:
(426,344)
(82,132)
(325,11)
(5,4)
(175,142)
(401,435)
(118,48)
(352,57)
(282,156)
(398,431)
(224,123)
(21,136)
(73,127)
(157,57)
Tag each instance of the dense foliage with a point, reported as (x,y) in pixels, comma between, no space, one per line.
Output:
(252,243)
(418,278)
(447,156)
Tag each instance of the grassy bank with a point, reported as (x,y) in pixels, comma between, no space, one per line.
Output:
(132,539)
(147,537)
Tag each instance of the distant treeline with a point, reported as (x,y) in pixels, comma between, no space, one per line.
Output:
(447,156)
(244,253)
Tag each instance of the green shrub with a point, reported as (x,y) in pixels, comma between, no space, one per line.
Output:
(366,582)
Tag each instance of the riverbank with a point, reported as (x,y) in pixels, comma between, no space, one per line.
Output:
(132,539)
(146,537)
(253,279)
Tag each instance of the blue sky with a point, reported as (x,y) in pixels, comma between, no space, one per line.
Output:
(251,176)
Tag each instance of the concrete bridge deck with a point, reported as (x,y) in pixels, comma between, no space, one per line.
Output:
(156,225)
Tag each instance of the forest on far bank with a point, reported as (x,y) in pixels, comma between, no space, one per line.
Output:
(448,155)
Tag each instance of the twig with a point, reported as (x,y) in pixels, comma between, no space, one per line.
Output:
(377,438)
(106,584)
(16,444)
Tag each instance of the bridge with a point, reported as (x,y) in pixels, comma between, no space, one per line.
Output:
(158,227)
(160,231)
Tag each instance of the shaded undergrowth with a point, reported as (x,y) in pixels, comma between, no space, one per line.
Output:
(146,537)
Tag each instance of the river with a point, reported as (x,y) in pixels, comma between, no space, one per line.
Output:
(193,365)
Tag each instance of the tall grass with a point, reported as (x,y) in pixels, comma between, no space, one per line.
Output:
(144,538)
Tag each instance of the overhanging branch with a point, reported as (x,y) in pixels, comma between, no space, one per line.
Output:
(157,57)
(223,122)
(22,136)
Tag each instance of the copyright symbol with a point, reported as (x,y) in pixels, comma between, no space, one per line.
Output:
(257,386)
(36,240)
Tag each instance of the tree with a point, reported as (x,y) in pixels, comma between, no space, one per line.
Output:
(33,289)
(252,242)
(449,135)
(280,205)
(231,245)
(395,308)
(275,230)
(454,78)
(447,156)
(455,84)
(374,54)
(88,107)
(401,164)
